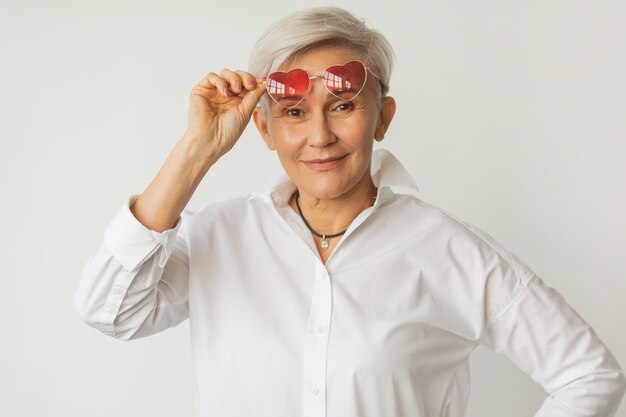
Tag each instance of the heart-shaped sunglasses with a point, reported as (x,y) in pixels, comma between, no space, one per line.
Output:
(345,81)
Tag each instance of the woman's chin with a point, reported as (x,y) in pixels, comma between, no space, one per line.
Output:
(325,191)
(320,191)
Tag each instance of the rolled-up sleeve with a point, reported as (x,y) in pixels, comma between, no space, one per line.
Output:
(137,282)
(549,341)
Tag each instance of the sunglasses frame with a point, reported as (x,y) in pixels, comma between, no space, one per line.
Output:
(313,77)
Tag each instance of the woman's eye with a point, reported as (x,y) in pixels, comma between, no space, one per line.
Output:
(294,112)
(345,106)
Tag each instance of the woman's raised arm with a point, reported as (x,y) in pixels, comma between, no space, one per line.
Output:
(220,108)
(137,283)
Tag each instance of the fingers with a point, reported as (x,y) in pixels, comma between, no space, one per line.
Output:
(232,80)
(212,80)
(229,83)
(240,84)
(250,100)
(246,86)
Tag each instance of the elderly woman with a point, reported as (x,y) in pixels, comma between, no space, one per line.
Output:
(329,293)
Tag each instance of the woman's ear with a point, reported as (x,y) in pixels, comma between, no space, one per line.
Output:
(387,111)
(261,124)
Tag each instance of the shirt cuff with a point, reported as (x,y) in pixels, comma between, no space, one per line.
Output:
(131,243)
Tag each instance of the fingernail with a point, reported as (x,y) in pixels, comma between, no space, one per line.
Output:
(251,83)
(237,87)
(225,92)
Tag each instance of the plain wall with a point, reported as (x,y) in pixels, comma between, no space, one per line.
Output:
(511,115)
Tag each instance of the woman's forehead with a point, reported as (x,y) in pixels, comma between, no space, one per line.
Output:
(316,60)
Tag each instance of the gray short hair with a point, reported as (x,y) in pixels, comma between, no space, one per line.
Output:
(304,30)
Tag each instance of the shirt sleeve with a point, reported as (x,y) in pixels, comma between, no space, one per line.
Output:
(137,283)
(549,341)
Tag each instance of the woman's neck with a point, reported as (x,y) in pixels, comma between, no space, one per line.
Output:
(330,216)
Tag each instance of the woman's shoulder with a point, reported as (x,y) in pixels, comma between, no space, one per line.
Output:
(456,234)
(229,207)
(229,211)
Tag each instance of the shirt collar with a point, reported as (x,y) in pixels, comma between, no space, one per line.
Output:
(387,172)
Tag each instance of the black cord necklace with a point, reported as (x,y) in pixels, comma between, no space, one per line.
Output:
(324,243)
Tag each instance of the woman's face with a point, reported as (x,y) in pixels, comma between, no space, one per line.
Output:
(325,143)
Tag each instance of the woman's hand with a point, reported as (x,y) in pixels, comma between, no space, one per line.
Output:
(220,108)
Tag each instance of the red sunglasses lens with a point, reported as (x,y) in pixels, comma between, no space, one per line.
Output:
(287,88)
(345,81)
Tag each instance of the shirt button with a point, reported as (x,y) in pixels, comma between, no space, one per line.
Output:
(315,391)
(117,291)
(325,275)
(319,329)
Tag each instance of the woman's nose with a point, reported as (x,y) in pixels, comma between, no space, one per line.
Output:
(320,133)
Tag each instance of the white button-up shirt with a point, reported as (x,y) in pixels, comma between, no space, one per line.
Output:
(384,329)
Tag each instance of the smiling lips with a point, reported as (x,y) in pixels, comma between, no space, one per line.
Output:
(324,164)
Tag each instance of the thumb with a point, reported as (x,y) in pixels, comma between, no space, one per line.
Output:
(251,99)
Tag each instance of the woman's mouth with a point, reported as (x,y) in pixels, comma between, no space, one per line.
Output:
(324,164)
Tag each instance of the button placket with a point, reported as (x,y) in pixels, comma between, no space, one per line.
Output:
(315,347)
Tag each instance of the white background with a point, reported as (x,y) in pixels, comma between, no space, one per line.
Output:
(511,115)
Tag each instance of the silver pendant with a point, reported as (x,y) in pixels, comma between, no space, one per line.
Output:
(324,244)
